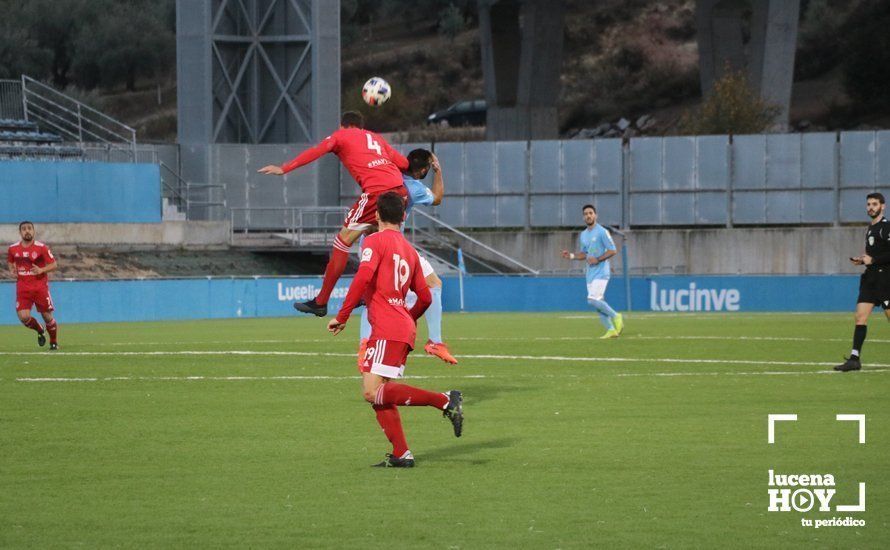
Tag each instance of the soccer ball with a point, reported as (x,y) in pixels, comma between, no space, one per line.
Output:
(376,91)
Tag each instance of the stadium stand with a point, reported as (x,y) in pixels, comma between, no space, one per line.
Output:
(23,140)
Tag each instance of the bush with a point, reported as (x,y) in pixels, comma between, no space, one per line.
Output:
(451,22)
(732,108)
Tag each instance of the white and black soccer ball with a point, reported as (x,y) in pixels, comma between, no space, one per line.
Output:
(376,91)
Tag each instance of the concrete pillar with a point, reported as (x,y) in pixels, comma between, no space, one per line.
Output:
(767,58)
(521,60)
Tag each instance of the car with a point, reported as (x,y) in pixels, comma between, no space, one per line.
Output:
(462,113)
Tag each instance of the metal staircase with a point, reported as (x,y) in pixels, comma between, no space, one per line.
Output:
(312,228)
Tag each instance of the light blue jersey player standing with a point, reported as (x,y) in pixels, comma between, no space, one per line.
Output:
(597,247)
(420,162)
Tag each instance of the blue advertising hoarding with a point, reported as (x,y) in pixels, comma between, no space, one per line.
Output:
(215,298)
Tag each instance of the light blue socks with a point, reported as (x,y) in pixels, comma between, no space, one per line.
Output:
(605,311)
(434,316)
(365,330)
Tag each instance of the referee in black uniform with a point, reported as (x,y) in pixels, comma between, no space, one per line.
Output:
(874,285)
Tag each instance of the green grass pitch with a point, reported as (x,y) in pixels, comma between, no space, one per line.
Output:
(253,433)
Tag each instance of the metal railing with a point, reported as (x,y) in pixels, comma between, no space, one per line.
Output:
(457,234)
(315,226)
(305,226)
(178,193)
(72,119)
(12,103)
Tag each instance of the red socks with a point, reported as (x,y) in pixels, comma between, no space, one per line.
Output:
(389,419)
(335,268)
(53,329)
(33,324)
(402,395)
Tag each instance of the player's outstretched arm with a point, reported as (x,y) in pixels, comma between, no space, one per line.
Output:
(438,181)
(307,156)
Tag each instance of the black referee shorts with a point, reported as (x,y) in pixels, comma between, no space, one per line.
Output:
(874,288)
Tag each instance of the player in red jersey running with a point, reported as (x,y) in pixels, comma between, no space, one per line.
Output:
(375,166)
(389,267)
(29,261)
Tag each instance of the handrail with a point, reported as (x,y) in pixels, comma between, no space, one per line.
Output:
(429,254)
(476,242)
(446,243)
(72,117)
(83,105)
(296,225)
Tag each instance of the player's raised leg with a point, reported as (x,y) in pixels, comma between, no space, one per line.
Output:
(333,271)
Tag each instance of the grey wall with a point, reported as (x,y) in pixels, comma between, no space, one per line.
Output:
(770,179)
(751,251)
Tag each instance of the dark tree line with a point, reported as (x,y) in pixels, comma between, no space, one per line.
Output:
(87,43)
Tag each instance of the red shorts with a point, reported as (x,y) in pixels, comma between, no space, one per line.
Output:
(26,299)
(363,213)
(386,358)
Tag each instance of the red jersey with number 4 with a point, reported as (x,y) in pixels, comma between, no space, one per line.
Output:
(371,161)
(388,268)
(25,258)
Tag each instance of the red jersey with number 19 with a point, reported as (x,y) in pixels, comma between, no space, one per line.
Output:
(388,268)
(371,161)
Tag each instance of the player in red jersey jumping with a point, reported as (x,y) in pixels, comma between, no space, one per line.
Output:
(375,166)
(389,267)
(29,261)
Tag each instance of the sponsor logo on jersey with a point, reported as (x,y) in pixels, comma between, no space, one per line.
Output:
(366,254)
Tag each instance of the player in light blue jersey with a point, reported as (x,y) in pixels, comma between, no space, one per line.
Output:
(420,162)
(597,247)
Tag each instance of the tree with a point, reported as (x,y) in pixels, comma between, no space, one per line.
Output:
(52,26)
(732,108)
(866,52)
(124,44)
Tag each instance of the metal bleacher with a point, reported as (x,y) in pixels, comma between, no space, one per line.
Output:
(23,140)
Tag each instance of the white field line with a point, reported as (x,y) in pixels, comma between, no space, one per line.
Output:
(553,358)
(471,376)
(714,315)
(496,339)
(223,378)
